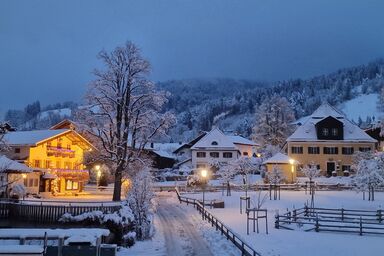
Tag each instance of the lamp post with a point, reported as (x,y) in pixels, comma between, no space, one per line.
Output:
(24,176)
(98,174)
(204,175)
(291,161)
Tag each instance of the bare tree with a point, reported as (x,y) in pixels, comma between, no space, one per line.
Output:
(124,110)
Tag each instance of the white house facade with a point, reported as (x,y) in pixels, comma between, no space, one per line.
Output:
(216,146)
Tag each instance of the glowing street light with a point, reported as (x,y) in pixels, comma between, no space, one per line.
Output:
(204,175)
(98,174)
(292,162)
(24,175)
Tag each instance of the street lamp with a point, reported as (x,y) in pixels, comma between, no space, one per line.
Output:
(204,175)
(291,161)
(98,174)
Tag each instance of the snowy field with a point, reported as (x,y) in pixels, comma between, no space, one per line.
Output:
(296,243)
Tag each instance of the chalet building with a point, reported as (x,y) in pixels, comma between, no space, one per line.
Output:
(376,133)
(55,156)
(215,145)
(328,139)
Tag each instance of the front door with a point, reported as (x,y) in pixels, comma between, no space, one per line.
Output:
(330,168)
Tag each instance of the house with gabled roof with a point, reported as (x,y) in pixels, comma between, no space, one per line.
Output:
(55,155)
(329,140)
(215,145)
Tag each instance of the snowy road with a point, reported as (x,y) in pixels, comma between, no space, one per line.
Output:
(181,236)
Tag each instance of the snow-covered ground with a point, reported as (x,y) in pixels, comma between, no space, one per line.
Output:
(362,106)
(285,242)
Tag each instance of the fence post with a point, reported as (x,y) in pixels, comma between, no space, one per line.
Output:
(379,215)
(342,214)
(317,223)
(361,226)
(277,221)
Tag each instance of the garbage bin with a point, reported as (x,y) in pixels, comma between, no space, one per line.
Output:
(108,249)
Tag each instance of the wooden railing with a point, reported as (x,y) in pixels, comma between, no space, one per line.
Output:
(334,220)
(245,248)
(48,212)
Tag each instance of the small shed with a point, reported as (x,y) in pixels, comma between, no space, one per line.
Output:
(11,173)
(285,163)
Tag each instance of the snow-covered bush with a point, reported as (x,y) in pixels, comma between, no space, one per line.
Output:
(119,222)
(140,200)
(369,175)
(310,171)
(18,190)
(275,176)
(193,180)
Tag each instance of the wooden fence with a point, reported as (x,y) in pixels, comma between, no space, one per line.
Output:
(48,213)
(245,248)
(333,220)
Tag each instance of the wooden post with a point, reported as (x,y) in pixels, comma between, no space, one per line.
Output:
(379,215)
(60,246)
(342,214)
(266,221)
(317,226)
(277,221)
(361,226)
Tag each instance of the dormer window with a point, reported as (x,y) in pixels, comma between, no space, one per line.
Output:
(334,132)
(325,132)
(214,143)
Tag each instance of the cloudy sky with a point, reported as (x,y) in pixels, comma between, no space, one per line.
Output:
(48,48)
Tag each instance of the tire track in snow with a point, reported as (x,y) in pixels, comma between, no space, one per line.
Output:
(181,237)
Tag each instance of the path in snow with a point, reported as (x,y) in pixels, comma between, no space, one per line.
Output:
(181,237)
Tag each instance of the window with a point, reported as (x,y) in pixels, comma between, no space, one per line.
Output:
(325,132)
(200,154)
(37,163)
(227,154)
(48,164)
(245,153)
(25,182)
(36,182)
(364,149)
(297,150)
(346,168)
(17,150)
(330,150)
(334,132)
(313,150)
(214,154)
(30,183)
(68,165)
(69,147)
(214,143)
(347,150)
(58,165)
(71,185)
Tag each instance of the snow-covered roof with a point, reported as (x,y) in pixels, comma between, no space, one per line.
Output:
(279,158)
(307,131)
(31,137)
(215,139)
(7,165)
(241,140)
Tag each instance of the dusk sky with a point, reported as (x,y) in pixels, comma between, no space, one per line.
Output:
(48,48)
